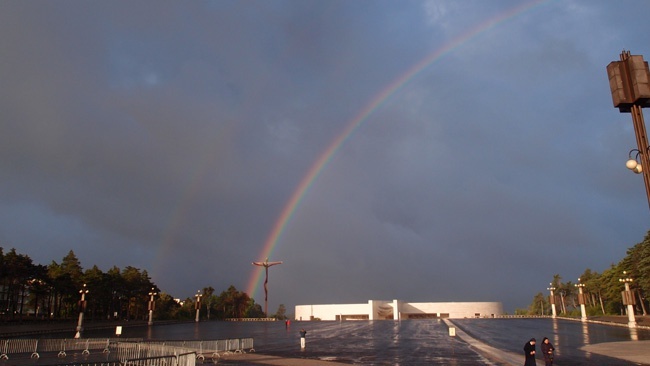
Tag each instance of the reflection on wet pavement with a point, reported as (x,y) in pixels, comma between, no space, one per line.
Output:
(567,336)
(409,342)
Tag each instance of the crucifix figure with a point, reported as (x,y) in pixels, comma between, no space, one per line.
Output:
(266,264)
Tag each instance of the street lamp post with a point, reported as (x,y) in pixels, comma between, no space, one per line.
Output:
(581,300)
(198,304)
(82,307)
(152,305)
(629,82)
(628,299)
(552,299)
(266,264)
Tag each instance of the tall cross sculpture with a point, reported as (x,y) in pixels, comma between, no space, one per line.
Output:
(266,264)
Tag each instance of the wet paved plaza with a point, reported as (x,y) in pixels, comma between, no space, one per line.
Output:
(566,336)
(410,342)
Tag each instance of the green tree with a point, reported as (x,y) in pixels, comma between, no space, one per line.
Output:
(18,269)
(233,303)
(66,280)
(136,290)
(39,290)
(612,289)
(208,299)
(166,307)
(593,288)
(26,288)
(643,265)
(100,295)
(116,287)
(254,310)
(186,309)
(603,290)
(637,264)
(544,304)
(281,314)
(3,287)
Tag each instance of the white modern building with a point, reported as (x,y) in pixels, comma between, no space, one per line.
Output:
(399,310)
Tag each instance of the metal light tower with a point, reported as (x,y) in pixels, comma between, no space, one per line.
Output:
(628,299)
(581,300)
(552,299)
(82,307)
(629,82)
(198,296)
(152,305)
(266,264)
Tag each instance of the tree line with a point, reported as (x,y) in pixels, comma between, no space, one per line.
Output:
(29,290)
(602,291)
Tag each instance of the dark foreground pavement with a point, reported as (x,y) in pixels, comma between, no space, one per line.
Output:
(637,352)
(633,351)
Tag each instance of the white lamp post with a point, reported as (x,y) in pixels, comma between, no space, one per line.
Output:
(581,300)
(628,299)
(552,299)
(198,304)
(82,307)
(152,293)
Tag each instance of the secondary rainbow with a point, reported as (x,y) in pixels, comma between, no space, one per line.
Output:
(377,101)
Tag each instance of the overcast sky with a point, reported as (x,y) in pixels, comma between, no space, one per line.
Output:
(480,150)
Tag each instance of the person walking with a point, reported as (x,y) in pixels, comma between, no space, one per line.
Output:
(529,352)
(303,334)
(547,351)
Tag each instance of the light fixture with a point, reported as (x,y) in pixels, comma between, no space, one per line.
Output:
(633,163)
(629,82)
(626,279)
(628,299)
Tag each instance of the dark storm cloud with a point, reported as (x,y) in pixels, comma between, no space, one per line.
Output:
(169,136)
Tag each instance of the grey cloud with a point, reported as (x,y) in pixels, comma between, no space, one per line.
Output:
(171,136)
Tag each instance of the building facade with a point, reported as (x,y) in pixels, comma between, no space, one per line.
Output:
(399,310)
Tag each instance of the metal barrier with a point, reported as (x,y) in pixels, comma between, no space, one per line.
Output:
(214,347)
(247,343)
(20,346)
(52,345)
(138,351)
(198,346)
(34,346)
(151,361)
(221,346)
(129,349)
(250,319)
(184,359)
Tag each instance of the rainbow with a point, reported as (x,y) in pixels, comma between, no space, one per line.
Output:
(376,102)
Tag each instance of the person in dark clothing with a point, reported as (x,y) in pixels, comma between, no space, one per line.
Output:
(547,351)
(529,352)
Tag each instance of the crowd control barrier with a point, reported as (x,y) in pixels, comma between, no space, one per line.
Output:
(214,347)
(185,359)
(36,346)
(133,350)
